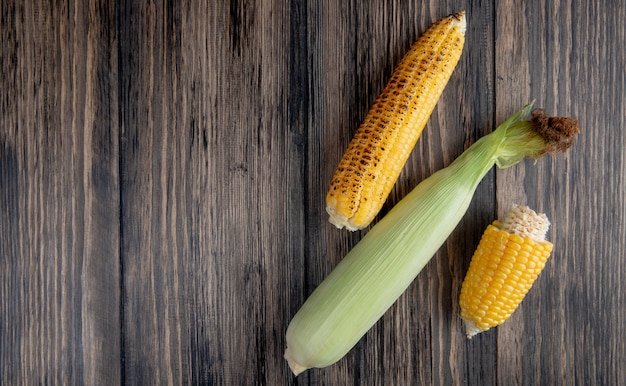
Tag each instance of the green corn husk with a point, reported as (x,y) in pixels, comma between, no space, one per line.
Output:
(384,263)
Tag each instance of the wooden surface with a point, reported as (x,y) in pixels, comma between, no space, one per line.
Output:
(163,167)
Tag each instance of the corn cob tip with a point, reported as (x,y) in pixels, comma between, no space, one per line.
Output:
(460,18)
(295,367)
(525,222)
(471,328)
(341,221)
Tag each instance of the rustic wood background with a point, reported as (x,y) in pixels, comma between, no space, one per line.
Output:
(163,167)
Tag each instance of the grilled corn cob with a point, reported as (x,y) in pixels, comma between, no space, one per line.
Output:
(509,257)
(382,144)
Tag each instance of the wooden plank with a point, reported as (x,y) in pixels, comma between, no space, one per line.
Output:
(568,56)
(212,170)
(152,260)
(59,197)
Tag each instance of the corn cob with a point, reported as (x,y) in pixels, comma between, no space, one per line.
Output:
(382,144)
(509,257)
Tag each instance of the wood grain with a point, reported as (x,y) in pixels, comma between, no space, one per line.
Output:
(163,167)
(210,157)
(565,63)
(59,238)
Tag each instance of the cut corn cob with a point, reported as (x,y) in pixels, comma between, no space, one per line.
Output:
(382,144)
(509,257)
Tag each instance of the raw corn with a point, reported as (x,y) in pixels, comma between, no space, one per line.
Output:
(508,259)
(382,144)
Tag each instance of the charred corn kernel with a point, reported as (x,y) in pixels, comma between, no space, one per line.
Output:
(506,263)
(382,144)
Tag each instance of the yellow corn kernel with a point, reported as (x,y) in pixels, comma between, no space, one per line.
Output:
(507,261)
(382,144)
